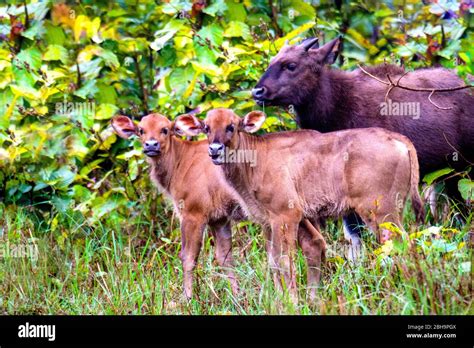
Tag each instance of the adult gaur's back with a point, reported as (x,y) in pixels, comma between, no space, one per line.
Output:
(329,99)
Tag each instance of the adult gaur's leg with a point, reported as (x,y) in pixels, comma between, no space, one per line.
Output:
(352,226)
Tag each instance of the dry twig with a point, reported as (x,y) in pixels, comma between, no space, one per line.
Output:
(397,84)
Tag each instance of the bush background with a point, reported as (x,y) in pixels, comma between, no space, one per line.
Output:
(68,182)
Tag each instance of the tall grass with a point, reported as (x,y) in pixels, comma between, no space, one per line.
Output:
(131,266)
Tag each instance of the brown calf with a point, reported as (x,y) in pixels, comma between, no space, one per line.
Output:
(306,174)
(197,188)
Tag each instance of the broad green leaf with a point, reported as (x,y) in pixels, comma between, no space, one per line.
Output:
(105,111)
(431,177)
(56,52)
(466,187)
(237,29)
(218,7)
(25,91)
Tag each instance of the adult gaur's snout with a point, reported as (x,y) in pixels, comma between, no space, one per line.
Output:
(259,92)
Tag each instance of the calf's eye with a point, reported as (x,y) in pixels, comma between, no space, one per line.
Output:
(140,131)
(164,131)
(230,128)
(291,66)
(206,129)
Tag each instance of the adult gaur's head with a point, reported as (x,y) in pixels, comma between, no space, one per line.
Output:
(293,73)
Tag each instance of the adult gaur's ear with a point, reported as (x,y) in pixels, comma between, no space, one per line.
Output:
(123,126)
(187,125)
(328,53)
(253,121)
(312,42)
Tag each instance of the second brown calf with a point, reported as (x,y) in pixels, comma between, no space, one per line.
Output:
(309,175)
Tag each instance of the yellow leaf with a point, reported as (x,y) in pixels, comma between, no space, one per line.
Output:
(80,26)
(223,87)
(294,33)
(190,88)
(385,249)
(11,107)
(25,91)
(208,69)
(391,227)
(222,103)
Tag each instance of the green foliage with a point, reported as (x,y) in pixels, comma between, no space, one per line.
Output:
(67,68)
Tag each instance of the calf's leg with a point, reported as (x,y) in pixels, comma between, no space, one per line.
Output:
(223,237)
(284,236)
(191,233)
(272,246)
(314,249)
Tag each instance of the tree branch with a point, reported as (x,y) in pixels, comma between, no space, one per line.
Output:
(274,17)
(397,84)
(140,81)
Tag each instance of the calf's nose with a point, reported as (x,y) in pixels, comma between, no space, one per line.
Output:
(258,92)
(216,149)
(151,143)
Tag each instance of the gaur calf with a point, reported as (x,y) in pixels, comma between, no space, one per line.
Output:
(439,124)
(200,194)
(309,175)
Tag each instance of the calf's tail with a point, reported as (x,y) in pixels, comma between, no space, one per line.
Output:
(416,200)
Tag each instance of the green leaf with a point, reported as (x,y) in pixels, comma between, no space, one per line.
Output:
(238,29)
(466,187)
(89,89)
(31,56)
(133,168)
(214,33)
(56,52)
(110,59)
(25,91)
(63,177)
(106,111)
(35,31)
(54,34)
(218,7)
(235,11)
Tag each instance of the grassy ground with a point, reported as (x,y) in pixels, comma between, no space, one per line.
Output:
(111,267)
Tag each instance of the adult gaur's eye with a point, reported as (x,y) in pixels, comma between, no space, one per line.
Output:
(230,128)
(291,66)
(140,131)
(164,131)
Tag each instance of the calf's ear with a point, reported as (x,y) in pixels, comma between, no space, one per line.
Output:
(327,54)
(253,121)
(187,125)
(123,126)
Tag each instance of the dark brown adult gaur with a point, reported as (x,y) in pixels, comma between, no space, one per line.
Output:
(440,125)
